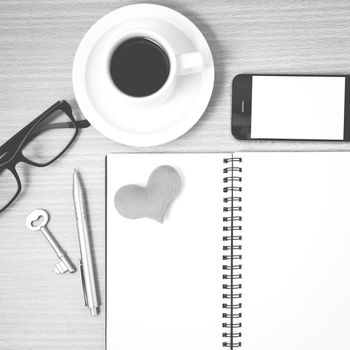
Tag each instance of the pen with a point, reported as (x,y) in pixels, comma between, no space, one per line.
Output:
(86,268)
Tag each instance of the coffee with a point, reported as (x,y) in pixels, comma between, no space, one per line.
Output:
(139,67)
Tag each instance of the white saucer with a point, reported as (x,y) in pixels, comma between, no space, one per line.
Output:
(132,125)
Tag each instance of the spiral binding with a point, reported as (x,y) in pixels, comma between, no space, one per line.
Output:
(232,253)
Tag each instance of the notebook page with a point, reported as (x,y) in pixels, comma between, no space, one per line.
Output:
(296,251)
(164,281)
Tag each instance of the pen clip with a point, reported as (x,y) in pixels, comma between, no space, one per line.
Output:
(83,282)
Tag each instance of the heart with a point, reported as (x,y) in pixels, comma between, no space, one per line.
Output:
(133,201)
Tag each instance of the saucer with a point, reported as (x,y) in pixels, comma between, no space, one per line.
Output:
(115,117)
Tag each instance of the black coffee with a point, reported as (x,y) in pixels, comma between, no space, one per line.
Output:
(139,67)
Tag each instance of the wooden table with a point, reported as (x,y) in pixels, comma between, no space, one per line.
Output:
(38,39)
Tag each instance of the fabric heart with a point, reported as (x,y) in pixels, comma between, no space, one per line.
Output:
(133,201)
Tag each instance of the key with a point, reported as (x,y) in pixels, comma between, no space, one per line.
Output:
(37,221)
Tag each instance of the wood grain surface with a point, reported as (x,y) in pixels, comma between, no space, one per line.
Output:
(39,309)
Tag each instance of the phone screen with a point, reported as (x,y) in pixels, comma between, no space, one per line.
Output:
(298,107)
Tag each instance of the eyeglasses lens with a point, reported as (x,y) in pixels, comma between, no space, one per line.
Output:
(49,139)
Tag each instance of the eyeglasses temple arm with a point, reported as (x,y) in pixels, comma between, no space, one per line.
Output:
(80,125)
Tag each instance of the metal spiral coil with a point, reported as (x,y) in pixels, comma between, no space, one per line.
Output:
(232,253)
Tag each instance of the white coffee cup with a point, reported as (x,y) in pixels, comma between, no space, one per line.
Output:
(180,64)
(172,105)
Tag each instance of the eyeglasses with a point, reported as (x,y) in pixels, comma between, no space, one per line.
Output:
(33,145)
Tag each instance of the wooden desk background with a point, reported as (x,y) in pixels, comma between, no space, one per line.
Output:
(38,39)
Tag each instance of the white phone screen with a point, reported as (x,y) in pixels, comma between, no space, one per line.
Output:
(295,107)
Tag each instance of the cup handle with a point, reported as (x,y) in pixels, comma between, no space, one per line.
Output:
(192,62)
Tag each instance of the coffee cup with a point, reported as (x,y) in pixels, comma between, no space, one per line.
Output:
(138,101)
(142,67)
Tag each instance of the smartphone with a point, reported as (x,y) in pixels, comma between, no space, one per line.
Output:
(291,107)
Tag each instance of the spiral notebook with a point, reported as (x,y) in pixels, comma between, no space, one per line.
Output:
(253,254)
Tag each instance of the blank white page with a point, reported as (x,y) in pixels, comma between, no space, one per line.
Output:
(164,281)
(298,107)
(296,251)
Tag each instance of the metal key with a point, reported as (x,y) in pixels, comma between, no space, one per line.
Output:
(33,223)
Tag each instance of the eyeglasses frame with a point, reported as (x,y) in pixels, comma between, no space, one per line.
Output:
(12,149)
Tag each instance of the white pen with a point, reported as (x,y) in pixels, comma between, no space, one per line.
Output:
(86,267)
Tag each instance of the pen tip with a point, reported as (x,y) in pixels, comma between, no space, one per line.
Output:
(93,311)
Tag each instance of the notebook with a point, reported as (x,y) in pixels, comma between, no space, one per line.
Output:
(254,254)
